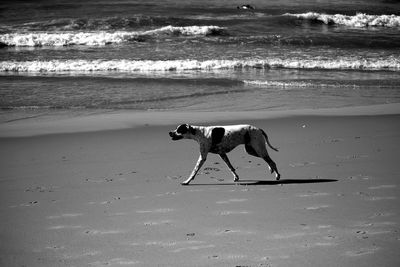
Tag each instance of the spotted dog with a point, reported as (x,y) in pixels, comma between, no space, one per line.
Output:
(223,139)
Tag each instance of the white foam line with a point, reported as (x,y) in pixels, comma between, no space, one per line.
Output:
(99,38)
(360,20)
(123,65)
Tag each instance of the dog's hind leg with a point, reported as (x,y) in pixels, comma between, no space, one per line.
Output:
(272,166)
(257,147)
(226,159)
(250,150)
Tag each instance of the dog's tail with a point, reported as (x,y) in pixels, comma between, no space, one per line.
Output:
(266,139)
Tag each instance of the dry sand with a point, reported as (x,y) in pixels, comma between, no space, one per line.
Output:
(113,198)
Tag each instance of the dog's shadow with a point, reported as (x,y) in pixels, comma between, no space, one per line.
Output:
(274,182)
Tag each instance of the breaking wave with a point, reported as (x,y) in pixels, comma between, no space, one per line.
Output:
(346,63)
(360,20)
(101,37)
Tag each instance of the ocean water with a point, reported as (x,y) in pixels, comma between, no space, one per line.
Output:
(69,56)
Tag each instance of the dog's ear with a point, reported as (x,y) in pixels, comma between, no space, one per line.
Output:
(182,129)
(192,130)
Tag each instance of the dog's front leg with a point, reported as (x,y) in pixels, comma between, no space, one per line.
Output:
(199,163)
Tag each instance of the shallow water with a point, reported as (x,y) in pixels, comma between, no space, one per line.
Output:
(197,55)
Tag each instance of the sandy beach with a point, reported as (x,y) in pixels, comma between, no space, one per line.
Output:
(89,91)
(113,198)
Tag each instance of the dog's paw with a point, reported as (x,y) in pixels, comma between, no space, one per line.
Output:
(271,170)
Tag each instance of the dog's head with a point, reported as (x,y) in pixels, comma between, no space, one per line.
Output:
(183,131)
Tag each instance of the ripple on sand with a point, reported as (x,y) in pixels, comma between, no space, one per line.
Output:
(104,232)
(163,210)
(115,261)
(233,212)
(232,232)
(314,194)
(193,248)
(317,207)
(382,198)
(361,252)
(154,223)
(288,235)
(383,186)
(59,227)
(232,200)
(65,215)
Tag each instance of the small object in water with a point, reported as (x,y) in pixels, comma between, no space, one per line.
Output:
(246,7)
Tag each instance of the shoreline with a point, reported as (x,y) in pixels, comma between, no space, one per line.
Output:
(125,119)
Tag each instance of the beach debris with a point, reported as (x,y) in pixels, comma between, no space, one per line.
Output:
(191,234)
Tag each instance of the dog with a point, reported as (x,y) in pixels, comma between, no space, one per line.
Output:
(223,139)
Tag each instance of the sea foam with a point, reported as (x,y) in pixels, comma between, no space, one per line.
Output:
(296,84)
(346,63)
(99,38)
(359,20)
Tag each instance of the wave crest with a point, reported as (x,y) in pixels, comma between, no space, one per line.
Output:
(346,63)
(360,20)
(100,38)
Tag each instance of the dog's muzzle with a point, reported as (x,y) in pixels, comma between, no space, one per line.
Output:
(175,136)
